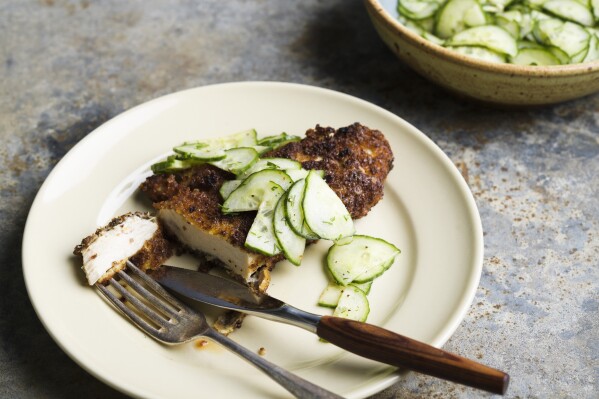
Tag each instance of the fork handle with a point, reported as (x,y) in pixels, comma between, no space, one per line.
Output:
(385,346)
(299,387)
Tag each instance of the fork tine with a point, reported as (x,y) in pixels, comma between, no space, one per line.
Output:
(155,286)
(149,296)
(146,310)
(143,324)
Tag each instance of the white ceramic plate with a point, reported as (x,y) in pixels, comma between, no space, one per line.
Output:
(427,211)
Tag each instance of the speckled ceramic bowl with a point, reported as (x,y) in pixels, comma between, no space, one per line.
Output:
(503,84)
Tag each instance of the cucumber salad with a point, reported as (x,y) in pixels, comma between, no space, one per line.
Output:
(293,205)
(522,32)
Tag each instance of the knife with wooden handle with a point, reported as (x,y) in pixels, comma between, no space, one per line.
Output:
(363,339)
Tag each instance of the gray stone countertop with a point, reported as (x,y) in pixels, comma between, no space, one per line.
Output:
(67,66)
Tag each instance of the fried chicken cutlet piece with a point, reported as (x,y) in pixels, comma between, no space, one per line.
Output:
(188,205)
(134,236)
(355,159)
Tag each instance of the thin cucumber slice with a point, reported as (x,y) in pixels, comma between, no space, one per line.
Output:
(325,213)
(237,160)
(252,191)
(200,152)
(245,138)
(353,304)
(228,187)
(458,15)
(416,9)
(364,287)
(559,54)
(576,58)
(261,237)
(562,57)
(495,6)
(368,275)
(480,53)
(298,174)
(593,53)
(295,212)
(432,38)
(567,36)
(595,8)
(214,149)
(533,56)
(489,36)
(529,44)
(278,140)
(361,260)
(291,243)
(526,25)
(535,4)
(428,24)
(270,163)
(261,149)
(570,10)
(330,296)
(172,164)
(511,21)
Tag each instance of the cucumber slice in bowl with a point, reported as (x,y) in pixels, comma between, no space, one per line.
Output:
(361,260)
(533,56)
(570,10)
(458,15)
(291,243)
(480,53)
(261,237)
(415,9)
(252,191)
(324,211)
(573,39)
(489,36)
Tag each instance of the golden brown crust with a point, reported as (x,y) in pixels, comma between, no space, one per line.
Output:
(356,161)
(194,194)
(154,253)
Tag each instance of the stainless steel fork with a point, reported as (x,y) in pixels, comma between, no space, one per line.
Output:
(170,321)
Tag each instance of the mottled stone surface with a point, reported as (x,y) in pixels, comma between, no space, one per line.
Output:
(68,66)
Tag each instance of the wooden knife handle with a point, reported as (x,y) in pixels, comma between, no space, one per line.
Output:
(385,346)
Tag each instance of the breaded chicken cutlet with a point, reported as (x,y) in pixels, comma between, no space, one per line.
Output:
(355,160)
(188,204)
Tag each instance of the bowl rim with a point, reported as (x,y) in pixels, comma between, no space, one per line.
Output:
(555,71)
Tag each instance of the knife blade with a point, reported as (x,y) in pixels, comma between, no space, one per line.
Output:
(366,340)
